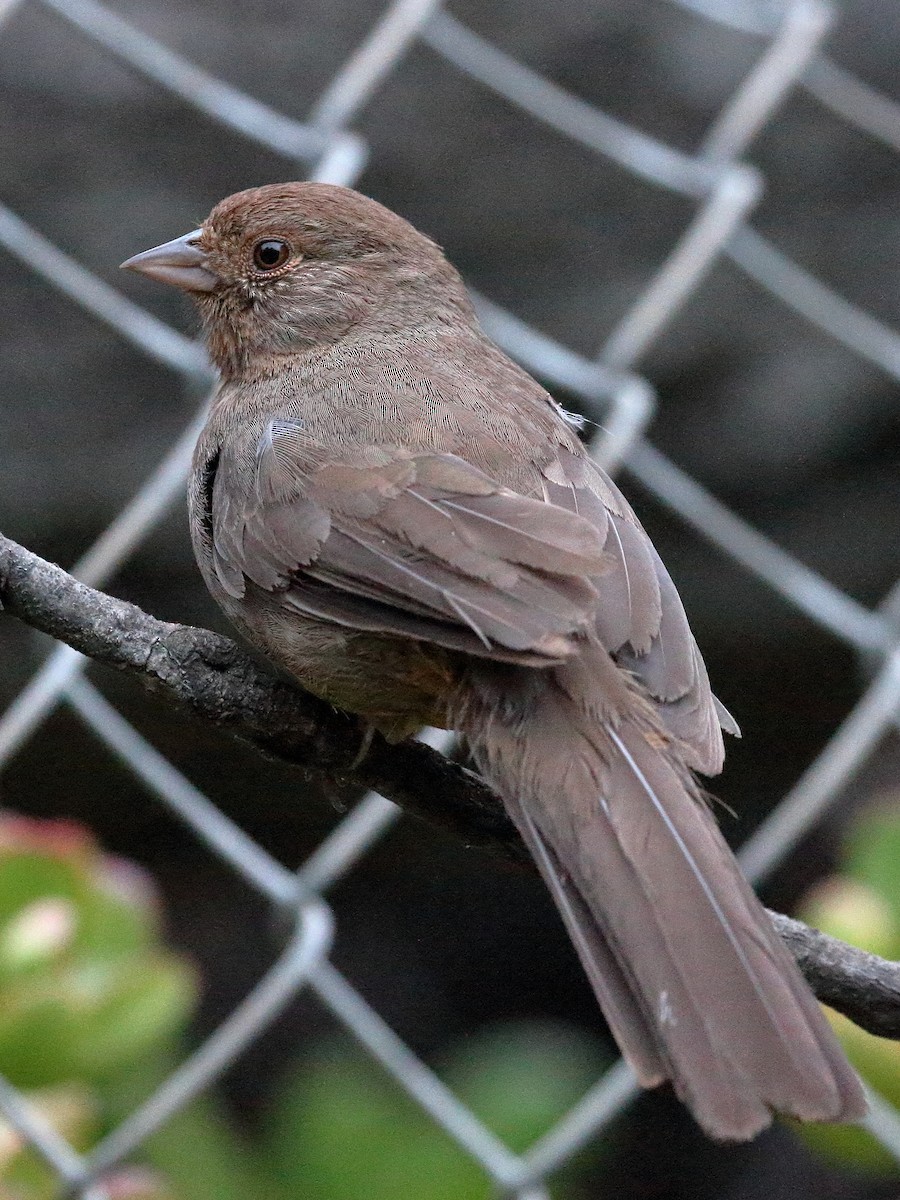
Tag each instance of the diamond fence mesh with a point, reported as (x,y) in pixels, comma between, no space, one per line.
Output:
(723,191)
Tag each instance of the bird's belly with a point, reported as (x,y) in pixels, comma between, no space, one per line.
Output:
(396,683)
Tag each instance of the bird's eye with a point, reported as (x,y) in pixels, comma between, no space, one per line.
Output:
(270,253)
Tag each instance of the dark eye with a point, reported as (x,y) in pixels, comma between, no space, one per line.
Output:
(270,253)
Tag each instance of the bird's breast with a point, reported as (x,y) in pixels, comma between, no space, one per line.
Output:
(466,400)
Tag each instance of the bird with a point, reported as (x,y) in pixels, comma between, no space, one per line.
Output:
(402,519)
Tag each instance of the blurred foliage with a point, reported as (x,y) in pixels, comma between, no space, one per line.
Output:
(345,1130)
(87,991)
(93,1006)
(861,905)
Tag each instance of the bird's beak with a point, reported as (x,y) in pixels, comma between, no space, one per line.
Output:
(180,262)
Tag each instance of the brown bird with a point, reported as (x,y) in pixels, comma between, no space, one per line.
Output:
(404,520)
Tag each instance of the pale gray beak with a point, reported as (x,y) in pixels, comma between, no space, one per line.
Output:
(180,262)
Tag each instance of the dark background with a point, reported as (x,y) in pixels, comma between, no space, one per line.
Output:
(784,424)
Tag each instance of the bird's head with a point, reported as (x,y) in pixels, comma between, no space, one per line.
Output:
(281,269)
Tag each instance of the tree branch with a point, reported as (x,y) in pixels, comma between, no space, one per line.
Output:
(219,682)
(860,985)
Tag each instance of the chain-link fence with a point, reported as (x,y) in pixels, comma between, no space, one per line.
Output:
(723,191)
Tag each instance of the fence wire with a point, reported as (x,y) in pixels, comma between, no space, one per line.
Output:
(724,191)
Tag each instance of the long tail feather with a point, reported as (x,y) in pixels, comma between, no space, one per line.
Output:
(695,984)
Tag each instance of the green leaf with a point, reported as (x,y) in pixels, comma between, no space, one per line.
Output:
(118,914)
(346,1130)
(849,1146)
(878,1062)
(146,1001)
(71,1110)
(39,934)
(872,854)
(854,911)
(205,1158)
(38,1030)
(519,1079)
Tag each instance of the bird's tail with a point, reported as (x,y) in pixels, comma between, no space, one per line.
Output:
(694,983)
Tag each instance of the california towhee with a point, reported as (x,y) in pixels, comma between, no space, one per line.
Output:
(403,519)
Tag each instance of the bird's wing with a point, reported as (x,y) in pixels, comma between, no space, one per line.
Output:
(640,617)
(422,545)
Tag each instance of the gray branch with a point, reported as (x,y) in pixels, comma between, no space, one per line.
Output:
(213,678)
(862,986)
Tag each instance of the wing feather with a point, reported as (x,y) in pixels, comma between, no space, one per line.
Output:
(425,545)
(640,617)
(420,545)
